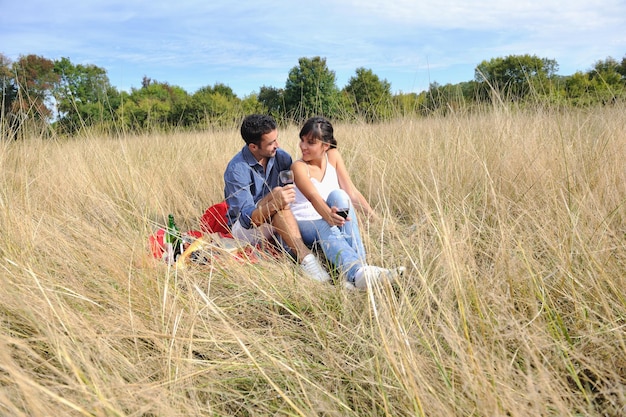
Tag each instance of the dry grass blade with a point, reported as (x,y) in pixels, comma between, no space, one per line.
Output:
(510,222)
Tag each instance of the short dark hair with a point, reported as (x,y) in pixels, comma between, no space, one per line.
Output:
(256,125)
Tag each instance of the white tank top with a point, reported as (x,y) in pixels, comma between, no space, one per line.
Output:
(302,208)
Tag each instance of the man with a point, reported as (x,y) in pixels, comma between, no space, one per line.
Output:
(258,207)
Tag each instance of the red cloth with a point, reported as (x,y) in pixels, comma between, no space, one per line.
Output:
(156,243)
(214,220)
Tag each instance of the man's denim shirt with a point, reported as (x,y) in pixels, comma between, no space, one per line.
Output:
(245,183)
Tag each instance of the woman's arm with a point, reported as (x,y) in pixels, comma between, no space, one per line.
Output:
(346,184)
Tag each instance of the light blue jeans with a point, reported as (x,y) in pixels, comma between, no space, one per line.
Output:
(342,246)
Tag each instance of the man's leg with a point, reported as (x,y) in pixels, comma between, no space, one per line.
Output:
(287,228)
(253,235)
(284,225)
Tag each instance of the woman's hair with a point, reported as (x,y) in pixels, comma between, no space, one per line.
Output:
(319,128)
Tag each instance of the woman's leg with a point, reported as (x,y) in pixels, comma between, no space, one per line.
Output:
(335,247)
(340,199)
(308,232)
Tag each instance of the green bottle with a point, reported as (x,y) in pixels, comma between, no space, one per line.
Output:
(172,241)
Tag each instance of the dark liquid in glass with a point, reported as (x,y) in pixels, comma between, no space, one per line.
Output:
(343,213)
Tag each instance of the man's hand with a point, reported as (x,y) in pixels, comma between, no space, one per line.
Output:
(281,197)
(278,199)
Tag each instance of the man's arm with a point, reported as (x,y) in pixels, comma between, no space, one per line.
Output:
(241,206)
(278,199)
(238,193)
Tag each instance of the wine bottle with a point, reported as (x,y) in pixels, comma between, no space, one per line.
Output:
(172,241)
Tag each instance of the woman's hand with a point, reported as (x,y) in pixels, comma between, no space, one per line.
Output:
(336,219)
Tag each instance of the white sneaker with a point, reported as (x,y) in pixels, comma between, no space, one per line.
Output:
(347,285)
(371,274)
(313,269)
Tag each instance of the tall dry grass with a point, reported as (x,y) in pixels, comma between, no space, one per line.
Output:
(511,225)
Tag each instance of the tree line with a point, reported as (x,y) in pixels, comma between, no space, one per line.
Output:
(62,97)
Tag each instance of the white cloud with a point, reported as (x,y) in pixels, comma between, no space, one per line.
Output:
(191,42)
(488,14)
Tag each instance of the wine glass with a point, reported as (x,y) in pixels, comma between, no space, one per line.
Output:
(285,177)
(343,211)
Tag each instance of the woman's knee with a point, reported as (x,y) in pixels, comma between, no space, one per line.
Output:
(338,198)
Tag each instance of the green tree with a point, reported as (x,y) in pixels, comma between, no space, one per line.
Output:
(606,80)
(369,96)
(154,105)
(9,121)
(311,90)
(622,68)
(607,71)
(224,90)
(7,85)
(408,104)
(515,76)
(34,78)
(273,101)
(250,104)
(84,96)
(578,88)
(216,105)
(444,99)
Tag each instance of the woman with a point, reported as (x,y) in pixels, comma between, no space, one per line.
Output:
(323,190)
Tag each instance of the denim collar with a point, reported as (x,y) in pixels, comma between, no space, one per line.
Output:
(251,160)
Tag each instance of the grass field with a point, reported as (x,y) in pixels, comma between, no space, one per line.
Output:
(512,226)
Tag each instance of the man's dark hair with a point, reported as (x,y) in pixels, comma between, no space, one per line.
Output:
(256,125)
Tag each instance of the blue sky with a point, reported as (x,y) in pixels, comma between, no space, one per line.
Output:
(248,44)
